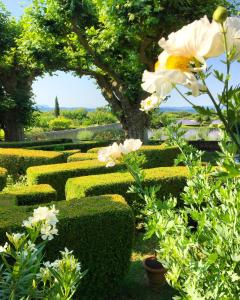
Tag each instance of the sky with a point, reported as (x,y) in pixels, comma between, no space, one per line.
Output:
(74,92)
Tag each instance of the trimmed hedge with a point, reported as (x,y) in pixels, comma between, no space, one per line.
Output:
(68,153)
(83,146)
(100,232)
(171,179)
(82,156)
(57,175)
(16,161)
(34,194)
(24,144)
(3,178)
(156,155)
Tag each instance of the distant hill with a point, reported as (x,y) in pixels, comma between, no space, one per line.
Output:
(45,108)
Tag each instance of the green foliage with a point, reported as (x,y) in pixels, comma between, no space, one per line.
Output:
(99,117)
(34,194)
(76,115)
(16,161)
(172,180)
(109,135)
(100,232)
(82,156)
(60,123)
(3,178)
(57,175)
(85,135)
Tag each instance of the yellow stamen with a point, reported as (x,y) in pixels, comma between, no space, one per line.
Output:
(178,62)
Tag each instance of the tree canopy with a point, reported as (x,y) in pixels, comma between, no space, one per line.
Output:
(112,41)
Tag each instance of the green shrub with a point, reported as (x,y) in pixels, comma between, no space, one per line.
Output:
(35,194)
(156,155)
(60,123)
(57,175)
(99,117)
(82,156)
(3,178)
(171,179)
(84,146)
(85,135)
(25,144)
(100,232)
(16,161)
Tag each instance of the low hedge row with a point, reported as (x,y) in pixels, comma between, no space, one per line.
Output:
(171,179)
(16,161)
(57,175)
(24,144)
(68,153)
(100,232)
(34,194)
(3,178)
(82,156)
(156,155)
(83,146)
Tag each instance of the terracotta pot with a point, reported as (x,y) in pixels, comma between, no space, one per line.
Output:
(155,273)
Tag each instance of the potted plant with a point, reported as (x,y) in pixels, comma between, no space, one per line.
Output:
(155,272)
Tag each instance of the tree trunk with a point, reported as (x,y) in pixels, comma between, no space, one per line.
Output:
(135,124)
(13,131)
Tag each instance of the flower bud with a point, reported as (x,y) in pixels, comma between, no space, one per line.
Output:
(220,15)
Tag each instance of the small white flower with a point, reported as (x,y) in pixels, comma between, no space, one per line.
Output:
(232,26)
(48,231)
(150,103)
(31,246)
(130,145)
(3,249)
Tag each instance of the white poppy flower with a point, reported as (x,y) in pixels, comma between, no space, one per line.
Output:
(198,40)
(130,145)
(110,155)
(150,103)
(3,249)
(170,70)
(232,26)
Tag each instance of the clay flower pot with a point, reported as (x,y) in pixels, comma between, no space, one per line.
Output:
(155,273)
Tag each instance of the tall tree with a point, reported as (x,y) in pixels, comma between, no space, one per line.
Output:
(56,108)
(16,105)
(112,41)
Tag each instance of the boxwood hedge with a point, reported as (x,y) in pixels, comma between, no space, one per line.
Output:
(82,156)
(16,161)
(24,144)
(171,179)
(156,155)
(100,232)
(57,175)
(34,194)
(3,178)
(84,146)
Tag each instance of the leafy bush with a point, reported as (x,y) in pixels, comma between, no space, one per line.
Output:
(16,161)
(34,133)
(99,117)
(82,156)
(109,135)
(3,178)
(57,175)
(60,123)
(85,135)
(100,232)
(76,115)
(172,180)
(34,194)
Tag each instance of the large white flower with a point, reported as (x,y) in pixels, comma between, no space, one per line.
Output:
(232,27)
(170,70)
(198,40)
(130,145)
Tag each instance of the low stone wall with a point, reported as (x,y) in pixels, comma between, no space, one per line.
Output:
(73,133)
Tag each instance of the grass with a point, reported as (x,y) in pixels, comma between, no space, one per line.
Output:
(135,286)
